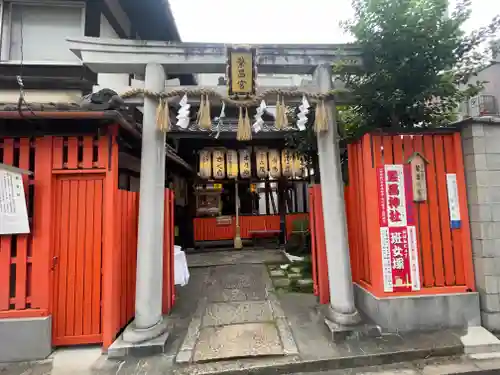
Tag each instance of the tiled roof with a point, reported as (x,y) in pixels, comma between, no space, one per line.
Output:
(46,107)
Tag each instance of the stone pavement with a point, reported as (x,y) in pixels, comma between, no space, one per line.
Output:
(229,296)
(221,258)
(159,365)
(238,316)
(434,366)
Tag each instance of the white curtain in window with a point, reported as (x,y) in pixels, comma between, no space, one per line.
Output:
(38,33)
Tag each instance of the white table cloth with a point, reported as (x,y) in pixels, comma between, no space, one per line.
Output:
(181,271)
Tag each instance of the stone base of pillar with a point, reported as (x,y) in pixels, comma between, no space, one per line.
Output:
(135,335)
(140,342)
(340,332)
(343,326)
(342,318)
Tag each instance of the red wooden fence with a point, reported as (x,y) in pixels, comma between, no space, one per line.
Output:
(24,258)
(445,254)
(78,262)
(318,246)
(207,229)
(168,253)
(127,211)
(16,252)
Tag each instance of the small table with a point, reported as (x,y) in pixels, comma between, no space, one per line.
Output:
(265,233)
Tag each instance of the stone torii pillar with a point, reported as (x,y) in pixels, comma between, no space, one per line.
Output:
(148,323)
(342,309)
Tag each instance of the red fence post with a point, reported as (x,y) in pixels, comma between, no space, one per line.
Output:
(464,209)
(42,223)
(110,254)
(312,227)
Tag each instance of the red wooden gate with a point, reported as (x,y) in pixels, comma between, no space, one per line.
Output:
(76,263)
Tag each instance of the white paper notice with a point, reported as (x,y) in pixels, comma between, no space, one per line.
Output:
(13,211)
(453,203)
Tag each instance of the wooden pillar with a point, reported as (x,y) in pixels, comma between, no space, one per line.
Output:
(108,150)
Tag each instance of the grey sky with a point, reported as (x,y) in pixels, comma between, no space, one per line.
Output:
(279,21)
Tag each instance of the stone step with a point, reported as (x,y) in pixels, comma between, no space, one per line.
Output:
(478,340)
(296,364)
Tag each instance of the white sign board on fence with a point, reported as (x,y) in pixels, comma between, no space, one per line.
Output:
(13,210)
(453,203)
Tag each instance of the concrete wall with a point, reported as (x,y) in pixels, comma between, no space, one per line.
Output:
(25,339)
(111,80)
(419,313)
(481,144)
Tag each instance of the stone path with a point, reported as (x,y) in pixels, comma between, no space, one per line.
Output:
(238,316)
(219,258)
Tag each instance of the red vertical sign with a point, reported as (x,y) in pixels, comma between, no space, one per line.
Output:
(397,230)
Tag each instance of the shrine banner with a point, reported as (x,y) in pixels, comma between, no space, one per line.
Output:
(397,229)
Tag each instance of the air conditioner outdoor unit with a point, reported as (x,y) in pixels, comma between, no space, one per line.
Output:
(483,105)
(463,110)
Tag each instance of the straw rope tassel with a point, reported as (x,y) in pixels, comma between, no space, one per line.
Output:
(240,125)
(167,122)
(160,114)
(284,123)
(321,118)
(205,118)
(247,126)
(200,111)
(278,117)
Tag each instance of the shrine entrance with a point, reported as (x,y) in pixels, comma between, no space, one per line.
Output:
(240,203)
(249,183)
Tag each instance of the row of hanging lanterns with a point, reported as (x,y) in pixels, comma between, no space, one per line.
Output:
(219,163)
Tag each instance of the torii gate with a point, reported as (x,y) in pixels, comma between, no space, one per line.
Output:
(155,60)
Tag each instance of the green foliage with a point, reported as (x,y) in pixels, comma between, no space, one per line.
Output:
(418,63)
(416,58)
(300,225)
(299,242)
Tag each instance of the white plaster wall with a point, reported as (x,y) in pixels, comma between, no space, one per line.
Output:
(42,96)
(106,80)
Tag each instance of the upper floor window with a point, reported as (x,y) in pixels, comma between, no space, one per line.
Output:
(35,32)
